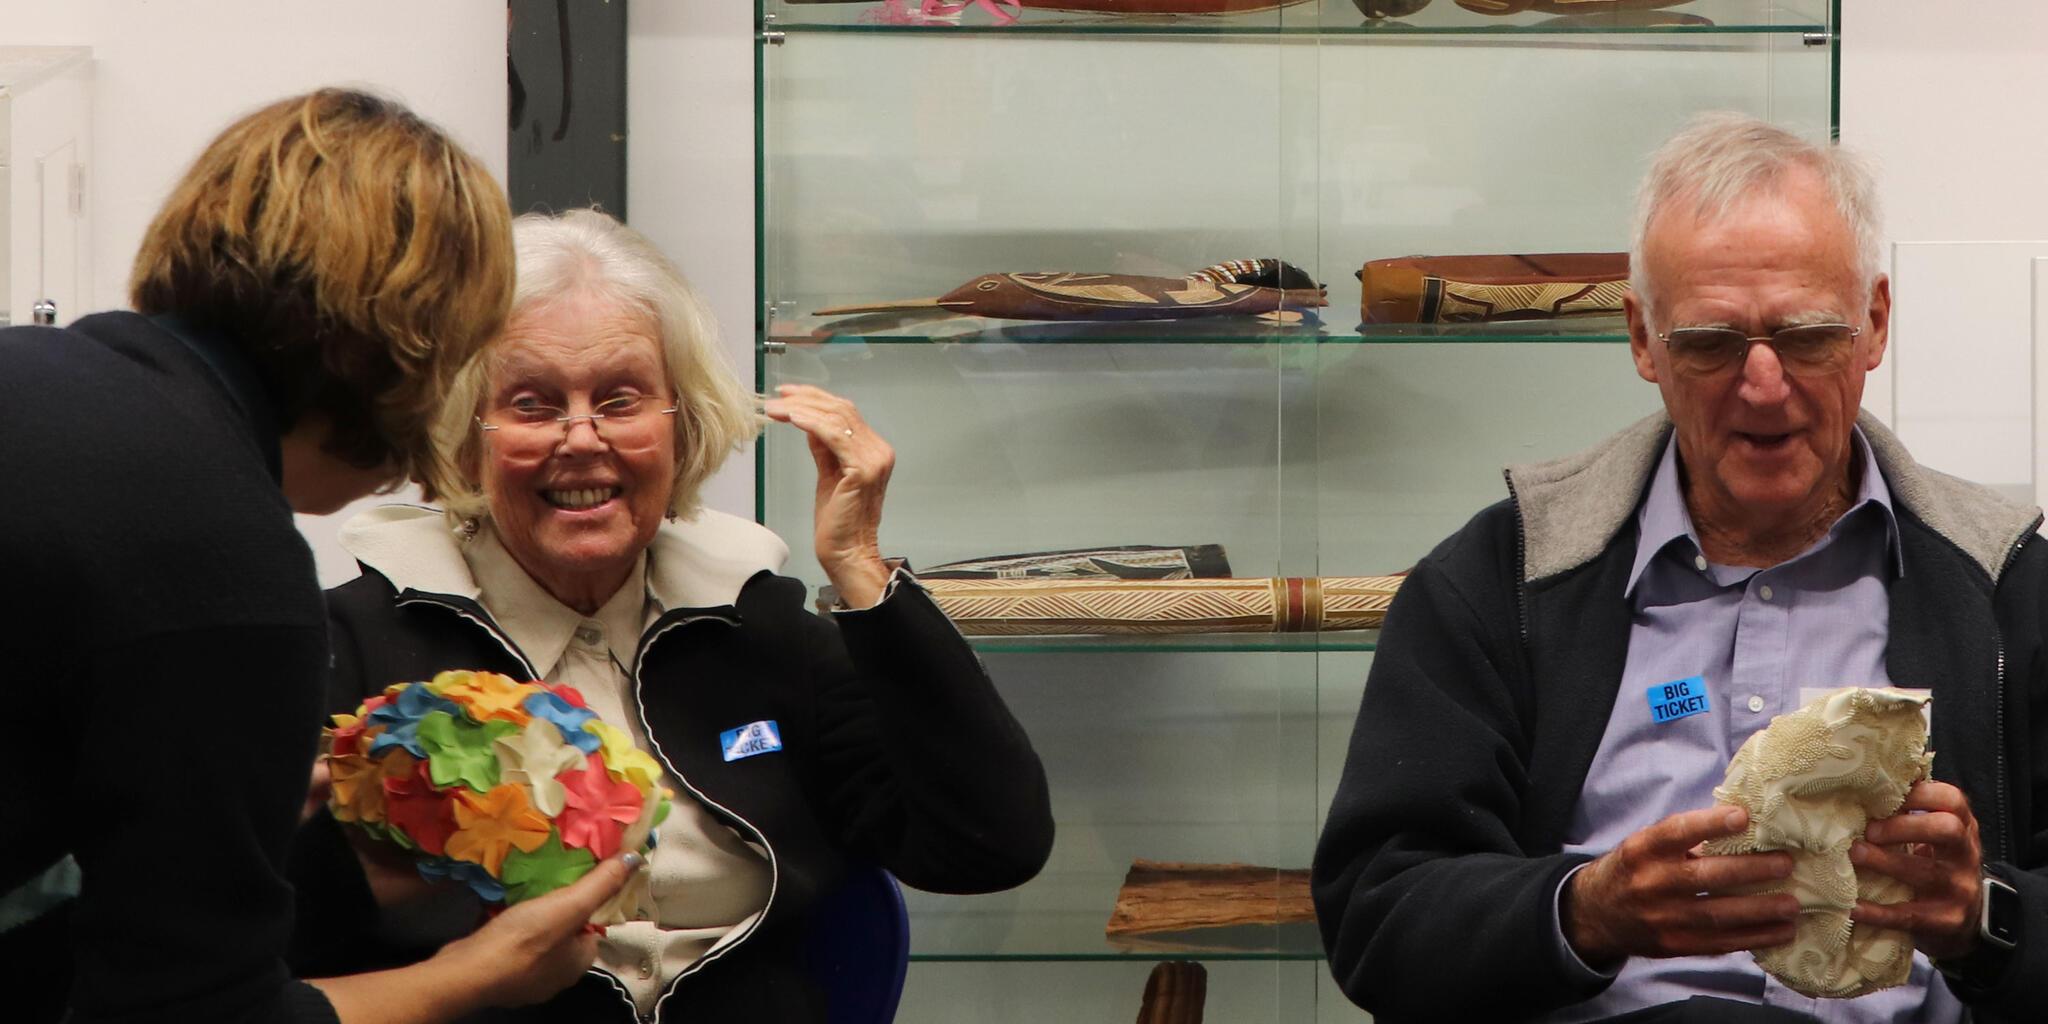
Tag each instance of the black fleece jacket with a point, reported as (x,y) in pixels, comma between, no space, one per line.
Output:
(1435,874)
(166,654)
(897,751)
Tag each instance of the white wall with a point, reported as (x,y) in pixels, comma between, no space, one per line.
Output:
(1943,100)
(169,76)
(690,170)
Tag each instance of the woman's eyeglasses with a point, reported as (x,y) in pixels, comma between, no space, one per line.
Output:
(628,423)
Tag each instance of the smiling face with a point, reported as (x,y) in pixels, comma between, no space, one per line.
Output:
(1765,452)
(577,514)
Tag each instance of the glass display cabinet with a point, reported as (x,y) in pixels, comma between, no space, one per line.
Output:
(903,153)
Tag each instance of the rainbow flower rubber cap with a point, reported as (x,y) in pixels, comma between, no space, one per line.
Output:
(514,789)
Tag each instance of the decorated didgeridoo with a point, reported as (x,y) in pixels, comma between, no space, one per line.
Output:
(1466,289)
(1285,604)
(1237,287)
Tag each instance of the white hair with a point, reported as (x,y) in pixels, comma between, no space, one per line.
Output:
(588,252)
(1720,158)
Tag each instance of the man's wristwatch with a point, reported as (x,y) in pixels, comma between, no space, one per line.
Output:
(1998,932)
(1998,918)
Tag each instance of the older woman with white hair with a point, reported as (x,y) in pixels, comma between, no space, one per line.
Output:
(571,547)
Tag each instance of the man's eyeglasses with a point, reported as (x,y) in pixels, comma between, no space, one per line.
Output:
(1808,350)
(532,430)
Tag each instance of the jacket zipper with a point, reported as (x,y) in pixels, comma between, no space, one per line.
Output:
(774,863)
(483,622)
(2006,850)
(1521,563)
(476,616)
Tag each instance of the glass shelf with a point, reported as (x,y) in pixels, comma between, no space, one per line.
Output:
(1331,20)
(868,330)
(1352,640)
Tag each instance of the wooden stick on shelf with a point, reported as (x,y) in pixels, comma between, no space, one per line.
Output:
(1171,905)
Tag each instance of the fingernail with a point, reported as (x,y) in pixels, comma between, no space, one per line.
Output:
(633,861)
(1859,851)
(1734,818)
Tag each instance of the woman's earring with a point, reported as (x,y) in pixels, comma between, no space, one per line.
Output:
(467,528)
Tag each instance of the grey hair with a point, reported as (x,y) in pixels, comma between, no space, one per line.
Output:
(590,252)
(1722,157)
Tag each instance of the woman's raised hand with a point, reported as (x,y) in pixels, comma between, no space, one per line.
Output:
(853,472)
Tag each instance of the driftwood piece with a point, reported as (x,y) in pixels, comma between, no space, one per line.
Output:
(1175,993)
(1167,905)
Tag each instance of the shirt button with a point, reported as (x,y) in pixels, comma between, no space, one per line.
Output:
(1756,703)
(1764,591)
(589,634)
(1699,562)
(647,968)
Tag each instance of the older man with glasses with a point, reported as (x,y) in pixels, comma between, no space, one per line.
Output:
(1517,832)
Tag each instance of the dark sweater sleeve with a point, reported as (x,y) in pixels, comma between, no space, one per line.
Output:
(1429,907)
(929,774)
(188,784)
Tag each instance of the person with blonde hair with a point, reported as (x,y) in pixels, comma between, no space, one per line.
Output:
(301,301)
(571,546)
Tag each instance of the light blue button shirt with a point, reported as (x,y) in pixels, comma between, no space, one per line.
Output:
(1757,637)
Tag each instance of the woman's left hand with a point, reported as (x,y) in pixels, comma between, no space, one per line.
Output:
(853,472)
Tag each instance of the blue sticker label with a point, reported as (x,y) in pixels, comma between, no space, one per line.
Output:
(750,739)
(1675,700)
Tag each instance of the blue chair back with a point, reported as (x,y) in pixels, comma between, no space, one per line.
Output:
(858,949)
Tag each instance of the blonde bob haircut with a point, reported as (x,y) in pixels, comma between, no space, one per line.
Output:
(357,255)
(588,253)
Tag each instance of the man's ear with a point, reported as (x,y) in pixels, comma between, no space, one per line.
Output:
(1880,314)
(1639,336)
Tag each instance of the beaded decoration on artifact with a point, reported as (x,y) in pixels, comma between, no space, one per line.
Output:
(1811,781)
(514,789)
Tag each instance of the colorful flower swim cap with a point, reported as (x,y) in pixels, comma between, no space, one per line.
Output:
(515,789)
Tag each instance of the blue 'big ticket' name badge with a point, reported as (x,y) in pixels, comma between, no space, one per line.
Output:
(750,739)
(1675,700)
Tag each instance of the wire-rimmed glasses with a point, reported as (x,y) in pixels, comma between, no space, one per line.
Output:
(534,430)
(1805,350)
